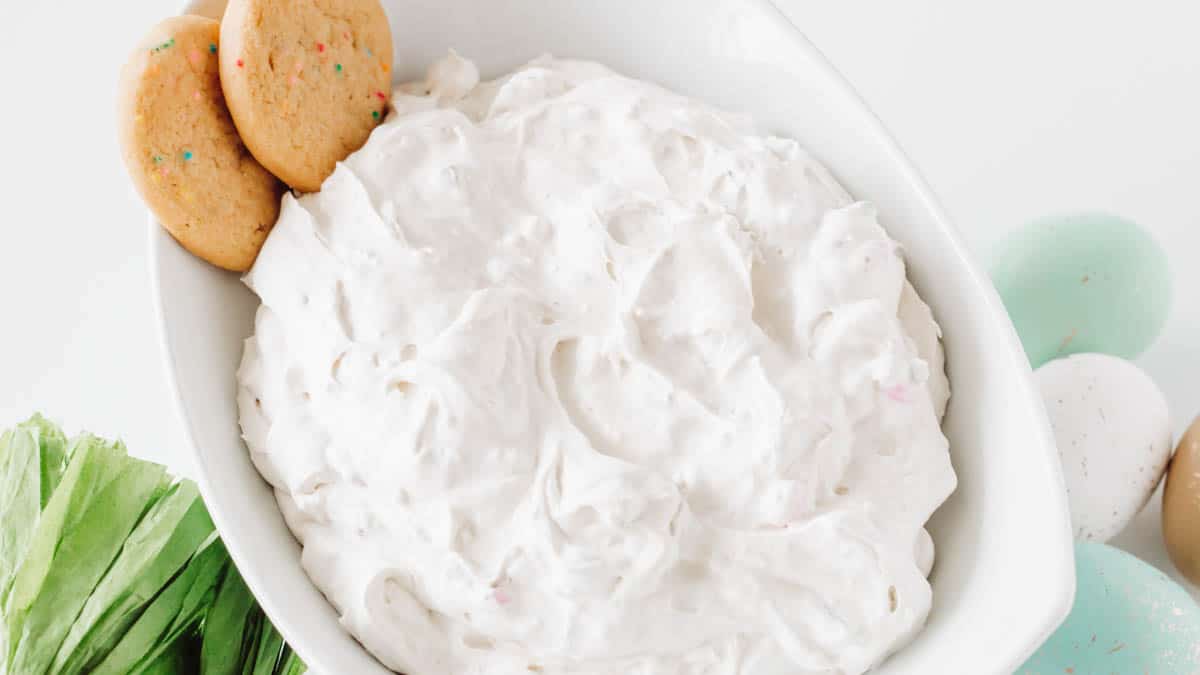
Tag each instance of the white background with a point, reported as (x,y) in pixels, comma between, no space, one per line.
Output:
(1012,110)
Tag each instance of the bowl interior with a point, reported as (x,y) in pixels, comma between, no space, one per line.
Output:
(1004,576)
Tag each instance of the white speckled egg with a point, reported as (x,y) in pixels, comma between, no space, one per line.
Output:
(1111,425)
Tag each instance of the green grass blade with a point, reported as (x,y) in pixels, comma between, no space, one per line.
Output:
(251,638)
(31,465)
(291,664)
(223,649)
(269,654)
(157,549)
(174,613)
(102,496)
(179,659)
(52,444)
(20,501)
(32,461)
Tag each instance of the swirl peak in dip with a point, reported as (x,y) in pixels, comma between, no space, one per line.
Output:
(566,373)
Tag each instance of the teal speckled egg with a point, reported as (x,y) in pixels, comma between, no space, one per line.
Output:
(1128,618)
(1083,283)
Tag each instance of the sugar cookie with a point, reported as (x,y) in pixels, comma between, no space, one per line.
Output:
(183,152)
(306,81)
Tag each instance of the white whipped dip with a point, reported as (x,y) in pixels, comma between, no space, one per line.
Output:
(566,373)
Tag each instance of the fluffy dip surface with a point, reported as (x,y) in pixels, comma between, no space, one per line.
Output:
(566,373)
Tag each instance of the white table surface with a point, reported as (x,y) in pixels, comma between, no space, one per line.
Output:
(1012,110)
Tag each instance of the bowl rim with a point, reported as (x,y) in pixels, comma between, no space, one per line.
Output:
(1058,607)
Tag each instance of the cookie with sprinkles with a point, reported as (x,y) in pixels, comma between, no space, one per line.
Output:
(183,151)
(306,81)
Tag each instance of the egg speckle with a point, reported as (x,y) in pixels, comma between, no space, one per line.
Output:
(1111,425)
(1128,617)
(1083,283)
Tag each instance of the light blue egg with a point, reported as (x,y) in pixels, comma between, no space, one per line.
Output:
(1086,282)
(1128,617)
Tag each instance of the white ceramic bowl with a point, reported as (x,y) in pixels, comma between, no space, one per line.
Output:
(1004,577)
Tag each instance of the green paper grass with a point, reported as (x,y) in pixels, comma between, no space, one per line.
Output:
(160,545)
(102,495)
(231,629)
(174,661)
(108,567)
(175,613)
(32,460)
(268,657)
(291,664)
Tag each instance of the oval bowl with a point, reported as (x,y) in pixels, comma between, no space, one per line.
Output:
(1004,577)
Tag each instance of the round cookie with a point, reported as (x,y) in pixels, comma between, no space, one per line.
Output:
(306,81)
(183,151)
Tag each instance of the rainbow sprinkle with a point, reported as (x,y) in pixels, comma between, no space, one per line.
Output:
(157,158)
(320,47)
(240,63)
(375,114)
(380,96)
(212,48)
(166,45)
(369,52)
(187,154)
(338,67)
